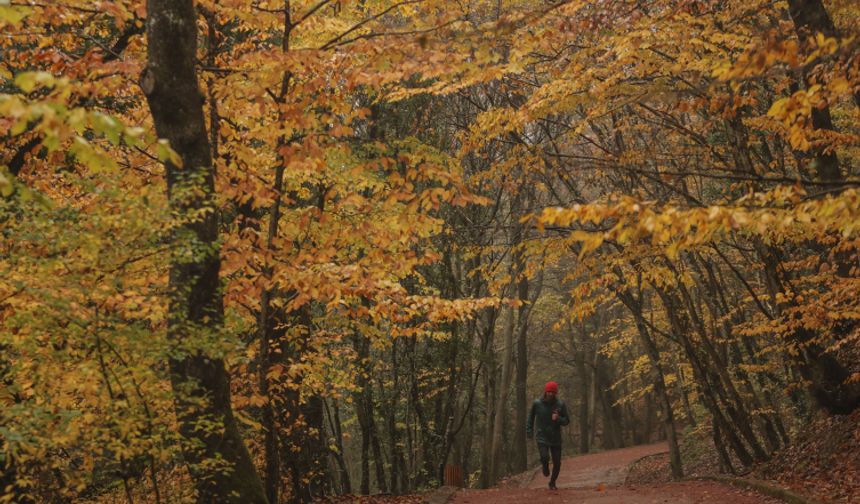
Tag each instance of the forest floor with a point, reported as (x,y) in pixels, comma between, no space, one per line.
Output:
(822,462)
(600,478)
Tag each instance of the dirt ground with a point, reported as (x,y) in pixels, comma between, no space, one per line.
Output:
(608,468)
(599,479)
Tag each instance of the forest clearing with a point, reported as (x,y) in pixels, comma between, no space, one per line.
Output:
(293,251)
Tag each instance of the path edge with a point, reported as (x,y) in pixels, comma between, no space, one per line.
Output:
(444,494)
(441,495)
(528,481)
(761,487)
(640,459)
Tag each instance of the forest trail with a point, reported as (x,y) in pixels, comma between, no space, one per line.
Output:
(599,479)
(608,468)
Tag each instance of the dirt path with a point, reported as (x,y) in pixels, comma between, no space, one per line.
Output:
(599,479)
(608,468)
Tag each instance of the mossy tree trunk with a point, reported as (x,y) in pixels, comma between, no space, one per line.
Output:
(200,381)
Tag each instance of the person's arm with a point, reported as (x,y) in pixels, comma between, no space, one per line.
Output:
(563,418)
(530,423)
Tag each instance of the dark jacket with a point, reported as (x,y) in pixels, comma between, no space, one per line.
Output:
(548,432)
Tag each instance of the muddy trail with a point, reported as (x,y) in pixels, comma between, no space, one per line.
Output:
(600,479)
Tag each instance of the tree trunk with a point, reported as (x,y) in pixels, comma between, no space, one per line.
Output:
(613,434)
(272,342)
(364,412)
(810,17)
(489,398)
(364,489)
(722,382)
(502,400)
(707,382)
(201,384)
(337,432)
(826,376)
(584,396)
(685,398)
(308,448)
(520,457)
(592,398)
(660,389)
(725,460)
(397,459)
(424,434)
(648,428)
(271,442)
(378,460)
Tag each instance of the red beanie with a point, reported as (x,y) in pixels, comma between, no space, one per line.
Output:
(551,386)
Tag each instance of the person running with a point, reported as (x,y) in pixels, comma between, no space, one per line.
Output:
(548,415)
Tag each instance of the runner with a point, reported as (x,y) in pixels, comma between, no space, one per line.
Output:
(548,414)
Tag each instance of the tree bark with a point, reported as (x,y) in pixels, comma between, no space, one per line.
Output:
(723,384)
(685,398)
(364,412)
(272,347)
(725,460)
(397,460)
(584,394)
(810,17)
(201,383)
(520,461)
(308,446)
(378,461)
(364,488)
(503,389)
(592,398)
(333,414)
(489,398)
(613,425)
(660,389)
(708,383)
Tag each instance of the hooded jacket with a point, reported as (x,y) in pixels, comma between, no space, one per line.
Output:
(540,420)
